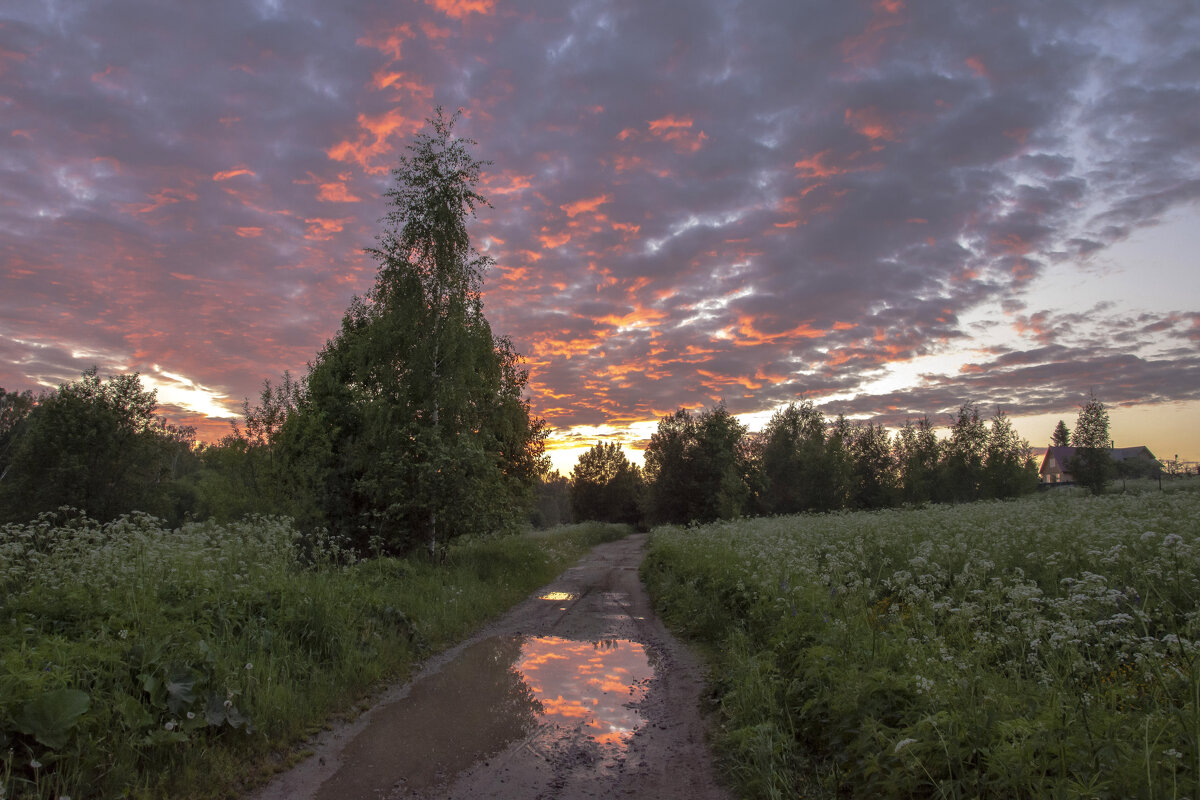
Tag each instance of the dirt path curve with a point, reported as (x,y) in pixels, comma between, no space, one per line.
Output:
(577,692)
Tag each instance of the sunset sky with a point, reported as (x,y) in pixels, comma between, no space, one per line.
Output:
(888,208)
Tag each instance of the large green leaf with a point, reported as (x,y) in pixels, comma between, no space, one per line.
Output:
(50,718)
(180,684)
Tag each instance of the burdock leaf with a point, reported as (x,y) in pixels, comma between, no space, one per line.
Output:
(50,718)
(180,689)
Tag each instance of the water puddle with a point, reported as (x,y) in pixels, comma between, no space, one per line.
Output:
(546,691)
(587,686)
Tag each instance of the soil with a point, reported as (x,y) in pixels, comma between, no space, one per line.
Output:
(577,692)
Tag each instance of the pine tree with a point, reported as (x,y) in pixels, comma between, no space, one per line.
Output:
(1009,469)
(1061,436)
(1092,465)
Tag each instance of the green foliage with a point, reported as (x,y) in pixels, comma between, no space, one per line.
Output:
(918,453)
(93,444)
(1009,469)
(552,501)
(697,468)
(134,658)
(1061,436)
(410,428)
(1046,647)
(14,410)
(873,480)
(49,717)
(1092,466)
(794,477)
(605,486)
(962,477)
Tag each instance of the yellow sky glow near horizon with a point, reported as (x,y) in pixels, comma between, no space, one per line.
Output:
(1170,430)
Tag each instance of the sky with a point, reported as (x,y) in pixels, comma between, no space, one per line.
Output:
(888,208)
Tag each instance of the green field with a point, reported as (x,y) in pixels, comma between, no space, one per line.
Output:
(1045,647)
(137,661)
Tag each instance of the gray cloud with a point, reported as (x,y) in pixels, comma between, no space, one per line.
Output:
(691,201)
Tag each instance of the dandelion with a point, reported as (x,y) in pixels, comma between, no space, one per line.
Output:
(170,725)
(249,665)
(33,762)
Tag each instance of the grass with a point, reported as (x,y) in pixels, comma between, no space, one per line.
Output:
(141,662)
(1046,647)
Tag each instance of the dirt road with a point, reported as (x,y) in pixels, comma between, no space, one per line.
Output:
(577,692)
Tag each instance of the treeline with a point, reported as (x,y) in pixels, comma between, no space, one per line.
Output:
(408,429)
(708,466)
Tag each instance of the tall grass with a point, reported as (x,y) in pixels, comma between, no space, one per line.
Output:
(137,661)
(1047,647)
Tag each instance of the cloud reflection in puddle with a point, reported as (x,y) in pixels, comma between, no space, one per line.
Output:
(587,685)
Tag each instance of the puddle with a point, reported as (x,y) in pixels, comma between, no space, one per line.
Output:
(587,686)
(550,692)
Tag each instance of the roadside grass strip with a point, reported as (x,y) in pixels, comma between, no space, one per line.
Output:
(1045,647)
(137,661)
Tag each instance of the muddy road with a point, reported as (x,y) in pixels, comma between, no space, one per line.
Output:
(577,692)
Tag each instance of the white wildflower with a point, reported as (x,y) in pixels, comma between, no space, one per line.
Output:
(903,743)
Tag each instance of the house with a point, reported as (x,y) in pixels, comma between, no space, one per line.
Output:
(1055,459)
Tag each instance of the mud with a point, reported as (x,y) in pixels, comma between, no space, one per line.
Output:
(577,692)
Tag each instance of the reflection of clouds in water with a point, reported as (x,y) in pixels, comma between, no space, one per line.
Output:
(588,683)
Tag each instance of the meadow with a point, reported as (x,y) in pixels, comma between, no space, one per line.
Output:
(1042,647)
(140,661)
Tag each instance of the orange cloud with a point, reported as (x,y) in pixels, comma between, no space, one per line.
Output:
(432,31)
(336,191)
(249,232)
(677,130)
(870,122)
(552,240)
(322,229)
(716,380)
(388,41)
(457,9)
(817,166)
(978,67)
(590,204)
(380,128)
(640,317)
(166,197)
(385,79)
(231,173)
(750,335)
(511,183)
